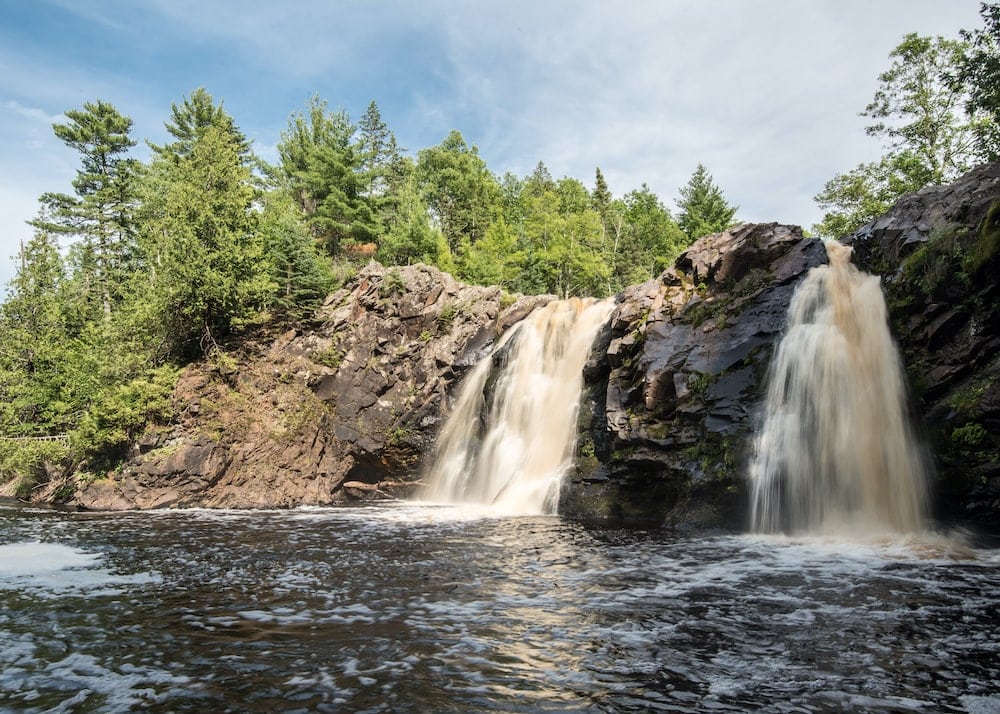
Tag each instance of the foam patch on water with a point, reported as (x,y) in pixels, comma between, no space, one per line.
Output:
(50,569)
(36,559)
(87,683)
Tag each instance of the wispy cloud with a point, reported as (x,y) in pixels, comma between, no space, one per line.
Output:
(33,113)
(765,94)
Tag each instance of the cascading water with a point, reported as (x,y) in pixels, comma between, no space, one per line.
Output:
(836,453)
(508,442)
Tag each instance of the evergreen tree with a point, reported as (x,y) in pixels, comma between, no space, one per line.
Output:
(100,214)
(299,274)
(207,272)
(378,153)
(703,208)
(321,167)
(34,343)
(191,118)
(601,197)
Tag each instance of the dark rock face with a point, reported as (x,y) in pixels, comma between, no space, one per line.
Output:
(346,410)
(671,400)
(938,251)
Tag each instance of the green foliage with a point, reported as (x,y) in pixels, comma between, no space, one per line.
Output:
(100,214)
(967,401)
(392,284)
(983,251)
(27,460)
(321,167)
(980,73)
(190,119)
(142,268)
(300,276)
(461,193)
(409,237)
(201,235)
(866,192)
(703,208)
(120,412)
(918,107)
(917,111)
(448,314)
(648,240)
(952,261)
(969,436)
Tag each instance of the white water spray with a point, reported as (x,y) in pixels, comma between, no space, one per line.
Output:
(508,445)
(836,454)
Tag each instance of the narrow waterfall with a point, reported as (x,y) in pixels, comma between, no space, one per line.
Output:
(835,454)
(509,439)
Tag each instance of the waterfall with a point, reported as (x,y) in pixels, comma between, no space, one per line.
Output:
(509,439)
(835,453)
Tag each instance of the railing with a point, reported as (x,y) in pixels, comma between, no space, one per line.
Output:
(49,437)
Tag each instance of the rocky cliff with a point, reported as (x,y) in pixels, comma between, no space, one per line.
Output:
(673,386)
(938,251)
(342,410)
(349,406)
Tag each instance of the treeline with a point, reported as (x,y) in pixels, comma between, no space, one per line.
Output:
(145,266)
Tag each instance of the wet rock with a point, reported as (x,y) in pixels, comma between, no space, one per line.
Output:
(684,369)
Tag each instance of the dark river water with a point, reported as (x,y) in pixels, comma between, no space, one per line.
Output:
(406,608)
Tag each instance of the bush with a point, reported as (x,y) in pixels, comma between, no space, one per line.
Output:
(120,413)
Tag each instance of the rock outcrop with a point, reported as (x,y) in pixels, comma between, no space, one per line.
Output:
(673,386)
(343,410)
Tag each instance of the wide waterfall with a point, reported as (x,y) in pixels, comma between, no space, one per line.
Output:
(836,454)
(509,439)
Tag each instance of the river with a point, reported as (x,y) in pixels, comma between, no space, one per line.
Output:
(411,608)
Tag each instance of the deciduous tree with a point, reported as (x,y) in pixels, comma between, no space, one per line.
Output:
(918,112)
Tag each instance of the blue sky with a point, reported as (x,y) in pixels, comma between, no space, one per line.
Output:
(765,93)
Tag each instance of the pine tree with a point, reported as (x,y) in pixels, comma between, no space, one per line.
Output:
(100,216)
(298,273)
(321,167)
(704,209)
(377,153)
(601,197)
(191,118)
(34,343)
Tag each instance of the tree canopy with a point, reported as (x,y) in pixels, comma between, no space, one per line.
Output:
(703,208)
(931,112)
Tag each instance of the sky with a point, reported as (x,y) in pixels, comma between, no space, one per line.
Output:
(765,93)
